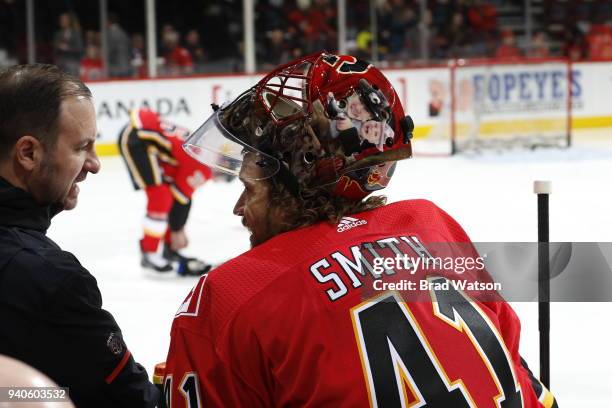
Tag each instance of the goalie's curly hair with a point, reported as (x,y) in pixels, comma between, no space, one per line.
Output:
(316,205)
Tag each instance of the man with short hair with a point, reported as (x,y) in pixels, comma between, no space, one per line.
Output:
(298,320)
(50,305)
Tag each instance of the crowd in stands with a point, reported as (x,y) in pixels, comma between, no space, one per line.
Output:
(81,54)
(285,29)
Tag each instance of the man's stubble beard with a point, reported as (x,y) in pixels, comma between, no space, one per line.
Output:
(273,226)
(46,180)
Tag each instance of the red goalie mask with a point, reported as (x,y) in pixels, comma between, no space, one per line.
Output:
(321,121)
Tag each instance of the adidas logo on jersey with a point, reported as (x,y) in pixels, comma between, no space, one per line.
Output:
(346,223)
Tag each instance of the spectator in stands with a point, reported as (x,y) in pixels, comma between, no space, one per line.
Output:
(364,44)
(68,44)
(166,29)
(582,10)
(177,59)
(93,37)
(442,12)
(222,20)
(296,16)
(574,51)
(118,49)
(482,18)
(555,15)
(328,12)
(10,24)
(318,26)
(92,67)
(271,14)
(599,40)
(276,50)
(574,44)
(539,47)
(138,56)
(507,49)
(196,50)
(602,12)
(455,39)
(397,19)
(438,42)
(417,35)
(427,28)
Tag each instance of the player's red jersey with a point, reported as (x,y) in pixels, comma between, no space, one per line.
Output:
(182,172)
(296,322)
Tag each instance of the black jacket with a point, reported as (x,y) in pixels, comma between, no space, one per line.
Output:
(51,313)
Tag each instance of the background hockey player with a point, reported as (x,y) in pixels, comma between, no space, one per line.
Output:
(152,150)
(292,322)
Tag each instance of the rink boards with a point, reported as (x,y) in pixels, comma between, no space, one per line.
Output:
(517,98)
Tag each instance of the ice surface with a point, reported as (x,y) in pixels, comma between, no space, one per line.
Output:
(489,194)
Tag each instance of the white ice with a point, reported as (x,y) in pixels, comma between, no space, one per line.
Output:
(490,195)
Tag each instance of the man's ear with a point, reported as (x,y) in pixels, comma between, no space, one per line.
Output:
(29,152)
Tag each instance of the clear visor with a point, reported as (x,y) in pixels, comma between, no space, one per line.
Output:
(213,145)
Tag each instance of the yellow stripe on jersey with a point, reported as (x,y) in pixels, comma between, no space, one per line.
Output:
(155,137)
(167,159)
(125,151)
(135,119)
(178,195)
(152,153)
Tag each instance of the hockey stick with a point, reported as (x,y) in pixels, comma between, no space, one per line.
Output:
(543,190)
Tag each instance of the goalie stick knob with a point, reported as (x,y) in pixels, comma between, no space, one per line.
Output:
(542,187)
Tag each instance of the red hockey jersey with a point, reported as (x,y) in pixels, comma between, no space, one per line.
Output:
(296,322)
(180,171)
